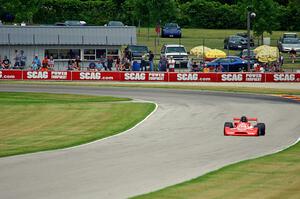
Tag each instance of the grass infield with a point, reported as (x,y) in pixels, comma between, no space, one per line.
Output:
(32,122)
(273,176)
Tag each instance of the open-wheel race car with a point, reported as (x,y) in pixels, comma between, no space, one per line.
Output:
(244,127)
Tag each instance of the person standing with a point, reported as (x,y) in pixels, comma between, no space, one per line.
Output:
(293,55)
(23,59)
(51,63)
(110,62)
(77,63)
(171,64)
(151,58)
(17,59)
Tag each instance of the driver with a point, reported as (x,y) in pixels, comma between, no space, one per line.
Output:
(244,119)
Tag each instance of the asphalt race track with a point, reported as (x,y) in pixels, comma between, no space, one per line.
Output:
(183,139)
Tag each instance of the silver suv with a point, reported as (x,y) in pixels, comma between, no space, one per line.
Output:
(178,52)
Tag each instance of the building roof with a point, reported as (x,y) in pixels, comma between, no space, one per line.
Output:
(67,35)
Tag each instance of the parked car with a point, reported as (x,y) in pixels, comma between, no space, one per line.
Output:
(114,23)
(235,43)
(245,35)
(137,51)
(289,43)
(289,35)
(244,55)
(229,64)
(71,23)
(178,52)
(171,30)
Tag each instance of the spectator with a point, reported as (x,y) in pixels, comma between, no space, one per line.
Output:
(110,62)
(136,66)
(17,59)
(51,63)
(118,63)
(280,60)
(36,63)
(71,64)
(293,55)
(103,62)
(92,66)
(171,64)
(127,65)
(195,67)
(5,63)
(151,58)
(189,64)
(163,62)
(77,63)
(206,69)
(143,64)
(45,64)
(99,66)
(23,59)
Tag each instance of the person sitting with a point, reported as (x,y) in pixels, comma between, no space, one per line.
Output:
(5,63)
(163,62)
(36,63)
(51,63)
(195,67)
(244,119)
(45,64)
(71,64)
(92,66)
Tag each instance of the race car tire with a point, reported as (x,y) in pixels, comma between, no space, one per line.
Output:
(228,124)
(261,128)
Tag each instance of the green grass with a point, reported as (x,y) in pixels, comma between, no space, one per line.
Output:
(32,122)
(274,176)
(212,38)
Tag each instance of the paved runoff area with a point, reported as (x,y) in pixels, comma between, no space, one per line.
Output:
(183,139)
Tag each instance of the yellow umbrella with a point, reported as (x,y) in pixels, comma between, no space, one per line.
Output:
(199,50)
(214,53)
(266,53)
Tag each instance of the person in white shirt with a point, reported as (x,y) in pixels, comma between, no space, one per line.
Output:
(171,64)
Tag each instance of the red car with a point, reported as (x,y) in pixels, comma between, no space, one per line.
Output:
(244,127)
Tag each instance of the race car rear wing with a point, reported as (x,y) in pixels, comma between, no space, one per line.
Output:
(248,118)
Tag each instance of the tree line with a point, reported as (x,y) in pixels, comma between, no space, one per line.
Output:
(218,14)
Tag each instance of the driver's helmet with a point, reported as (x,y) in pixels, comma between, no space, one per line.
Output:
(244,119)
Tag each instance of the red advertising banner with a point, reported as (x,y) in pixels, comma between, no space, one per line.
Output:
(148,76)
(11,74)
(240,77)
(143,76)
(47,75)
(282,77)
(104,76)
(192,77)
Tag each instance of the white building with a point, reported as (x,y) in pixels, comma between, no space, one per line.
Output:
(65,42)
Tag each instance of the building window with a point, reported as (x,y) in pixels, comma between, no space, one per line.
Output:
(63,53)
(94,54)
(89,54)
(113,53)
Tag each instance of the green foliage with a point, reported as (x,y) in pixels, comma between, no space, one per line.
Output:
(271,14)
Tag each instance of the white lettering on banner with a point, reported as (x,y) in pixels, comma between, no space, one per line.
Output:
(37,75)
(284,77)
(232,77)
(187,77)
(135,76)
(253,77)
(90,75)
(58,75)
(156,76)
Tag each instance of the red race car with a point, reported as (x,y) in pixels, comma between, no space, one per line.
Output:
(243,127)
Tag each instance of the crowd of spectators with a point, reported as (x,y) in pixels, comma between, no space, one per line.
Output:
(127,63)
